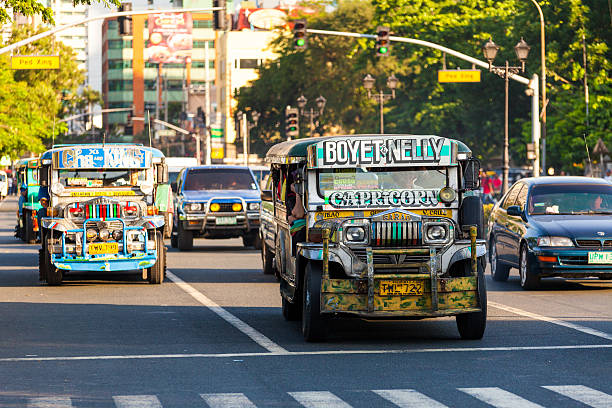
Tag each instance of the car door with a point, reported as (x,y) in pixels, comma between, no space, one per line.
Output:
(502,237)
(516,226)
(268,231)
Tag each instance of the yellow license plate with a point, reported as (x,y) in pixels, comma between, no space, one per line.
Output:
(103,248)
(397,288)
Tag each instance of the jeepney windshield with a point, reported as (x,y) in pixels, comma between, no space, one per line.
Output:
(88,178)
(381,179)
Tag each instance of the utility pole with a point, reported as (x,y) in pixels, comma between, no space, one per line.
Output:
(207,102)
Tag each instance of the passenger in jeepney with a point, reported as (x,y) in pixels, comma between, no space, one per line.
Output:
(43,198)
(296,213)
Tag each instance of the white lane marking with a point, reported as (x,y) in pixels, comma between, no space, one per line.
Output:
(409,399)
(256,336)
(319,399)
(303,353)
(552,320)
(50,402)
(499,398)
(137,401)
(586,395)
(228,400)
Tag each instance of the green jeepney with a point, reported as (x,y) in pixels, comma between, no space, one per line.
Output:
(27,177)
(392,229)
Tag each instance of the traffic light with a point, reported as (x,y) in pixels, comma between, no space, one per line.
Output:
(382,41)
(125,22)
(300,41)
(292,126)
(219,15)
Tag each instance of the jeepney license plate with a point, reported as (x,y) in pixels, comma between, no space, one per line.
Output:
(600,257)
(394,288)
(103,248)
(226,221)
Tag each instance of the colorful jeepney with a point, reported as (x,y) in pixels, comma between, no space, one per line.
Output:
(392,229)
(102,210)
(27,187)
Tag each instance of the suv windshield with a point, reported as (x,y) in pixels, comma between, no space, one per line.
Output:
(219,179)
(571,199)
(101,178)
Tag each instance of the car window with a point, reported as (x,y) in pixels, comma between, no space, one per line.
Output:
(219,179)
(511,197)
(521,198)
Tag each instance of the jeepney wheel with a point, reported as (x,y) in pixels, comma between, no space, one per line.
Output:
(184,239)
(28,234)
(314,327)
(267,259)
(499,271)
(42,269)
(173,240)
(529,280)
(291,311)
(472,325)
(156,272)
(52,274)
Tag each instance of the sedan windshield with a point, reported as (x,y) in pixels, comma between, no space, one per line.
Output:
(219,179)
(571,199)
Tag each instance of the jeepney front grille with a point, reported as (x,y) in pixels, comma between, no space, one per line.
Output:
(395,233)
(97,210)
(384,259)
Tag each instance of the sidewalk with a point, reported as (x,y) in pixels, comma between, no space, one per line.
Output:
(9,204)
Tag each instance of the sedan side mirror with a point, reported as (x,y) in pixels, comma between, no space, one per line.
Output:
(515,211)
(266,195)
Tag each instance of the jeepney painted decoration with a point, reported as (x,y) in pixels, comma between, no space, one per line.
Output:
(102,157)
(380,198)
(383,151)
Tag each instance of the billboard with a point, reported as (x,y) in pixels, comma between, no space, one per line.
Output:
(170,37)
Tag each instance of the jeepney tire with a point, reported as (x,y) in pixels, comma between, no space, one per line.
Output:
(267,259)
(499,270)
(471,213)
(173,243)
(251,239)
(53,275)
(42,271)
(29,237)
(472,325)
(156,272)
(314,325)
(291,311)
(184,239)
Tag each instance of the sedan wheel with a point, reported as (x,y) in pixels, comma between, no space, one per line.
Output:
(499,271)
(529,281)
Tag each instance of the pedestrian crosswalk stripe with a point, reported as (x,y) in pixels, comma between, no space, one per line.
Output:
(136,401)
(319,399)
(229,400)
(50,402)
(586,395)
(409,399)
(499,398)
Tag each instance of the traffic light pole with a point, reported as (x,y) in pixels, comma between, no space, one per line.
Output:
(532,84)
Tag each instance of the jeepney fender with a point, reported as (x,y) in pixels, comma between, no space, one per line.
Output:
(151,222)
(57,224)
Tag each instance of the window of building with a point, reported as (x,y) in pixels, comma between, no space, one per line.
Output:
(112,24)
(119,64)
(202,64)
(149,84)
(119,44)
(174,84)
(248,63)
(120,85)
(202,24)
(202,44)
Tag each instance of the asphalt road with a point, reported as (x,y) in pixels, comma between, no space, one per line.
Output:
(212,335)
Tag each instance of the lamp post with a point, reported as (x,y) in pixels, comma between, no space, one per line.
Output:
(505,71)
(543,64)
(245,128)
(312,114)
(380,97)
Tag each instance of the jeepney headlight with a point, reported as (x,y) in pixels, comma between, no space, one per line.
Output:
(91,234)
(193,207)
(436,233)
(104,234)
(447,195)
(355,234)
(57,188)
(117,235)
(253,206)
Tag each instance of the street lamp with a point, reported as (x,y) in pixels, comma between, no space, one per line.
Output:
(543,63)
(505,71)
(380,97)
(245,128)
(312,114)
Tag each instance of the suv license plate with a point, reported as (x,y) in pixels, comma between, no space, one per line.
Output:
(395,288)
(226,221)
(600,258)
(103,248)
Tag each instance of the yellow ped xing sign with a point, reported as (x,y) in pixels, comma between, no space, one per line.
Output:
(35,62)
(459,75)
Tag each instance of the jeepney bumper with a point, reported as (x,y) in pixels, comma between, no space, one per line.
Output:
(107,263)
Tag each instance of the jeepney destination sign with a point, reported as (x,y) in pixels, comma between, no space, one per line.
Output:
(102,157)
(380,198)
(406,150)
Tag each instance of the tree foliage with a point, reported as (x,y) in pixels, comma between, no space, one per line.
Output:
(474,113)
(30,8)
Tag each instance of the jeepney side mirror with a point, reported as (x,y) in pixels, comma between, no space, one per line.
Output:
(471,174)
(43,176)
(162,173)
(266,195)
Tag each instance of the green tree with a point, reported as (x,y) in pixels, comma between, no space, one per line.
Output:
(31,8)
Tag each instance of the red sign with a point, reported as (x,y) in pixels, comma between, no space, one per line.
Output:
(170,37)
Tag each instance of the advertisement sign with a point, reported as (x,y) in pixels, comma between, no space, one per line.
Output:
(170,38)
(102,158)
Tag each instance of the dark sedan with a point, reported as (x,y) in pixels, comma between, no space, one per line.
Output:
(552,226)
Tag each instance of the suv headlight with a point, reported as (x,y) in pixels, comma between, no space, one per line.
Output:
(193,207)
(253,206)
(436,232)
(555,242)
(355,234)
